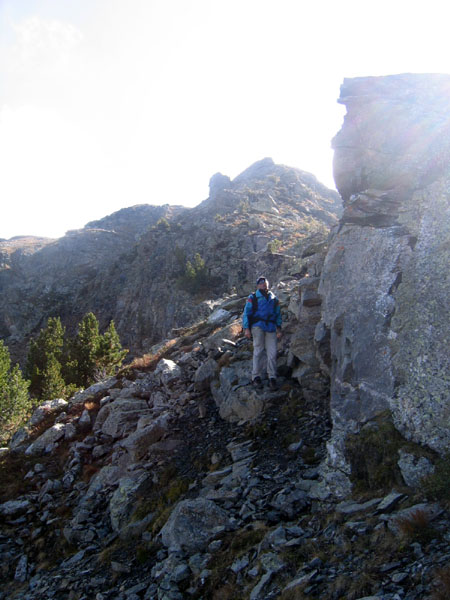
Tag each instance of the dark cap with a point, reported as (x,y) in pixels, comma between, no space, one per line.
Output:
(261,279)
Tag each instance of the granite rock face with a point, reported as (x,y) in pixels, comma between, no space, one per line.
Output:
(385,282)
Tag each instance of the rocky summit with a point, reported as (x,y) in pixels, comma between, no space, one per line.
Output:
(177,478)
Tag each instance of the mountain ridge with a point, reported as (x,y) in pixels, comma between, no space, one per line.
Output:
(122,267)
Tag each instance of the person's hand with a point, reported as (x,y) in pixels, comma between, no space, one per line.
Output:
(279,334)
(247,333)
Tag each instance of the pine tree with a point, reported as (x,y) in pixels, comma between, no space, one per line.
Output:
(110,352)
(57,364)
(44,356)
(14,399)
(86,349)
(53,384)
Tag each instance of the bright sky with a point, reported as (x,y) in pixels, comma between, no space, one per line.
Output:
(109,103)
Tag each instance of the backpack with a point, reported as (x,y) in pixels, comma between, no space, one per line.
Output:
(251,318)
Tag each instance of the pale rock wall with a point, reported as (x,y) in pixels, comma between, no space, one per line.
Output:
(385,282)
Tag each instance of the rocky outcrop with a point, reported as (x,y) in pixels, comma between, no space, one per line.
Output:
(130,265)
(385,282)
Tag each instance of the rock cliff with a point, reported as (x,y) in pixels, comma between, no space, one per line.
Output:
(385,283)
(127,266)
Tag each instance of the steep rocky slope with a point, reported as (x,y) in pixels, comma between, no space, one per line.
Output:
(177,479)
(126,266)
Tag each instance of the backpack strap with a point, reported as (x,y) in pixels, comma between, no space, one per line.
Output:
(254,300)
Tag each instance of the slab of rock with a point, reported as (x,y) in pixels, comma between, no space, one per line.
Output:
(193,524)
(108,476)
(121,416)
(168,371)
(350,508)
(230,332)
(124,498)
(205,373)
(14,508)
(236,399)
(47,408)
(84,422)
(219,315)
(19,440)
(21,573)
(414,468)
(93,392)
(46,440)
(431,510)
(389,502)
(138,443)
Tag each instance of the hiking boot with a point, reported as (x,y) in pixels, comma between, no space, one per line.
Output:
(273,383)
(258,383)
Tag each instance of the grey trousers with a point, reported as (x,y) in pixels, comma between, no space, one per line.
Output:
(264,340)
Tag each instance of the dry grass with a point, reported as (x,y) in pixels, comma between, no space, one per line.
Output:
(88,472)
(148,362)
(441,584)
(221,584)
(417,526)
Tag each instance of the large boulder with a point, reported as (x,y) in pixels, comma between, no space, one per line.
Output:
(168,371)
(120,417)
(94,391)
(138,442)
(14,508)
(124,498)
(234,395)
(193,524)
(50,407)
(46,441)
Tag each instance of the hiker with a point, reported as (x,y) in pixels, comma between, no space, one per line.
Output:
(262,321)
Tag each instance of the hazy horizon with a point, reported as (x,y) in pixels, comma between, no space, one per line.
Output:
(105,105)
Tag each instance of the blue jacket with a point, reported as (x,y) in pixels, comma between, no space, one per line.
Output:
(267,316)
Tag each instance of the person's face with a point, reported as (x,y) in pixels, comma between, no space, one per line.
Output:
(262,286)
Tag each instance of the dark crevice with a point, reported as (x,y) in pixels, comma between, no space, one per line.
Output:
(395,284)
(412,241)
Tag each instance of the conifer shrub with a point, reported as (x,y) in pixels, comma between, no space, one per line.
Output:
(45,356)
(195,277)
(58,365)
(163,224)
(15,403)
(274,246)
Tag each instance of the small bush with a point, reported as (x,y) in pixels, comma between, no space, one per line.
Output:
(417,526)
(373,455)
(163,224)
(437,485)
(195,278)
(274,246)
